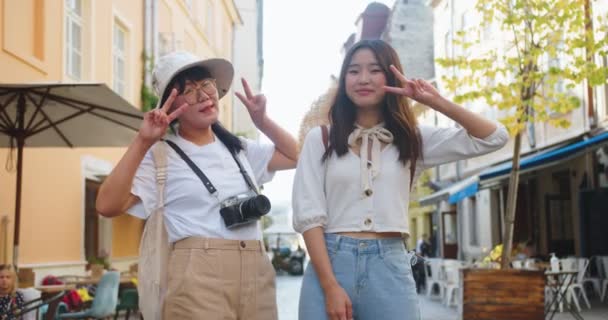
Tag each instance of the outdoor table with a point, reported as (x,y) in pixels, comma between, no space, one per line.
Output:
(48,291)
(562,279)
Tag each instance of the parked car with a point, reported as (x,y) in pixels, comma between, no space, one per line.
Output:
(285,259)
(287,247)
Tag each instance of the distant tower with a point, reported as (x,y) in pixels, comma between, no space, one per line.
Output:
(372,21)
(410,31)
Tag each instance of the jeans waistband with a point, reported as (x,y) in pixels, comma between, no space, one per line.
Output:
(338,242)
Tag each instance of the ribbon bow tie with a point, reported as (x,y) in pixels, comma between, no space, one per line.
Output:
(370,161)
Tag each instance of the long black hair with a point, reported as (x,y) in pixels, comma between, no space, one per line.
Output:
(194,74)
(398,117)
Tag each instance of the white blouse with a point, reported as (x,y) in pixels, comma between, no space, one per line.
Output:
(189,208)
(329,195)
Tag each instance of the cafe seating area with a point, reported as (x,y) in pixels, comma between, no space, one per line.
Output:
(575,287)
(99,294)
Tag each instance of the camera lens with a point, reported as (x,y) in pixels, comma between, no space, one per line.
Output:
(256,206)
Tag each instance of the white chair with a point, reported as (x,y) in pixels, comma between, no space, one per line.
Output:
(451,285)
(530,264)
(583,265)
(604,264)
(580,266)
(30,294)
(432,272)
(596,281)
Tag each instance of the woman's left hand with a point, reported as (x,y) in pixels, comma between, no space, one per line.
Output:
(416,89)
(255,104)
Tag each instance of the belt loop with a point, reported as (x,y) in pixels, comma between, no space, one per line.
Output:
(206,244)
(338,239)
(380,244)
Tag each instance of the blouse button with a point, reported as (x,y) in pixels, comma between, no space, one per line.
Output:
(369,192)
(368,222)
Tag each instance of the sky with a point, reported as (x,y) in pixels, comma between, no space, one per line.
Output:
(302,49)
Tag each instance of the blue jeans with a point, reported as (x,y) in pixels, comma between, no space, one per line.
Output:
(375,273)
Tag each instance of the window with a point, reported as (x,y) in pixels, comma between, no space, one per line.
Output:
(447,44)
(91,221)
(209,26)
(487,31)
(474,231)
(119,56)
(467,28)
(73,38)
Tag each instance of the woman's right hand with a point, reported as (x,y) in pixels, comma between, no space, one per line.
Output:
(156,121)
(338,304)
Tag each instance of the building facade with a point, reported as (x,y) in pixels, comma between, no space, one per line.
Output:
(248,61)
(557,164)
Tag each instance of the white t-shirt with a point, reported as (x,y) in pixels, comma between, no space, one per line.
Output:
(190,210)
(328,194)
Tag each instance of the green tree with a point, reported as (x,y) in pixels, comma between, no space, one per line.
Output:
(148,97)
(267,222)
(548,52)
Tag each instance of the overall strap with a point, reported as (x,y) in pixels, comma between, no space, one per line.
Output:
(159,153)
(325,135)
(244,173)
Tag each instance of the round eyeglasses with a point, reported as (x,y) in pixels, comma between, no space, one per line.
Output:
(192,93)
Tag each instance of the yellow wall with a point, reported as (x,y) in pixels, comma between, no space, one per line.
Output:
(419,220)
(124,228)
(33,52)
(32,38)
(52,206)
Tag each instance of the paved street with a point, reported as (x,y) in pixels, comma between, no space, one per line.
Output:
(288,291)
(288,294)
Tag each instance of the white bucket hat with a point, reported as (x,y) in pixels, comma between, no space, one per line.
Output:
(168,66)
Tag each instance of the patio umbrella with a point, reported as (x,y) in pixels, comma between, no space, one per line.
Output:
(61,115)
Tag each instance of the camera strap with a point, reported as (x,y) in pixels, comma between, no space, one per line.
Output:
(244,172)
(206,182)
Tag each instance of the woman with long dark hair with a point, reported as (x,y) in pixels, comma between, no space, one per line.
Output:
(351,193)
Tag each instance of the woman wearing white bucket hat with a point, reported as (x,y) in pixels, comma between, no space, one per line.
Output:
(217,266)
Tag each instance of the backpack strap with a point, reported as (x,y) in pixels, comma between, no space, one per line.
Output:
(159,153)
(325,135)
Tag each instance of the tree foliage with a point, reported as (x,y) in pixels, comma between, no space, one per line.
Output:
(527,57)
(530,59)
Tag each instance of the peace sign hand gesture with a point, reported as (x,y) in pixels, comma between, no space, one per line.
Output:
(255,104)
(156,121)
(416,89)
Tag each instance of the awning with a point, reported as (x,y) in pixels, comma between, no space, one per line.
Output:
(543,158)
(453,193)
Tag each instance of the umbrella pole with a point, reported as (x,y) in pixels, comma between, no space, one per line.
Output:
(20,137)
(18,203)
